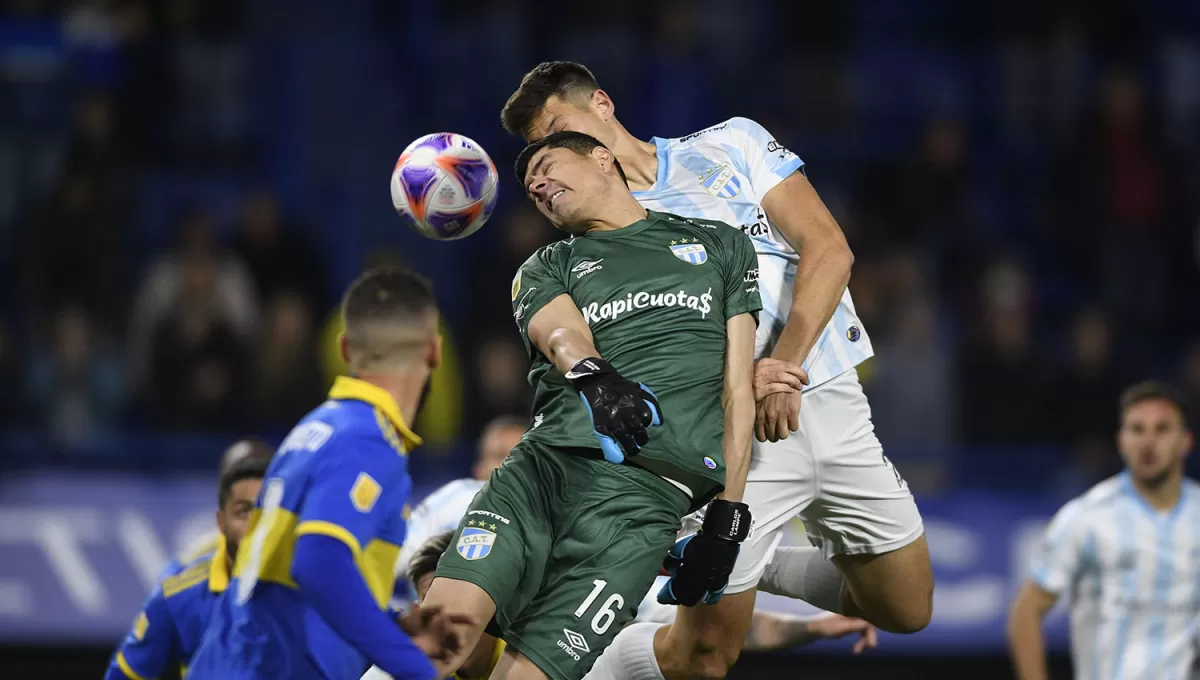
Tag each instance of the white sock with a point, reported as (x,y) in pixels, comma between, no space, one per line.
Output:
(630,656)
(802,574)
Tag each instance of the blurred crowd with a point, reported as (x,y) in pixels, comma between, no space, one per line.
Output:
(1020,189)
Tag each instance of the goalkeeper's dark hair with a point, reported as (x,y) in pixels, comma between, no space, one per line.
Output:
(1152,390)
(425,560)
(376,303)
(578,142)
(246,468)
(568,80)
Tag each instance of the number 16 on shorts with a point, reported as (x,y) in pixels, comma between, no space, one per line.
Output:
(575,644)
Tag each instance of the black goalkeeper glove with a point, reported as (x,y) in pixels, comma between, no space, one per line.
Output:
(621,411)
(700,564)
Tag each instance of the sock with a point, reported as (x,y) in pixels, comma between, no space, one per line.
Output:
(630,656)
(802,574)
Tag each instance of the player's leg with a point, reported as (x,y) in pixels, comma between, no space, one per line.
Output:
(705,641)
(618,524)
(864,517)
(514,665)
(499,551)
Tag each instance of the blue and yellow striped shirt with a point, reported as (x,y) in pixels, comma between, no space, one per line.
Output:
(342,472)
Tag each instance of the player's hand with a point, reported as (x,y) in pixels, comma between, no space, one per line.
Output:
(700,564)
(777,416)
(776,376)
(835,626)
(621,411)
(439,634)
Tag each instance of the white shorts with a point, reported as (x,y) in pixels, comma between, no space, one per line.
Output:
(832,473)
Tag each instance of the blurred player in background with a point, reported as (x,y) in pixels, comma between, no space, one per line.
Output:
(570,531)
(243,449)
(309,594)
(1127,556)
(443,509)
(822,462)
(168,630)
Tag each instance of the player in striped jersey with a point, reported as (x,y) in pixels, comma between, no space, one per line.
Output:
(822,462)
(1127,556)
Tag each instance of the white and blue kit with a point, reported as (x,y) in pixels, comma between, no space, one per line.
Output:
(1131,577)
(438,513)
(832,471)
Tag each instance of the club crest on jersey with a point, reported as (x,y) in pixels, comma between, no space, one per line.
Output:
(692,253)
(721,182)
(475,544)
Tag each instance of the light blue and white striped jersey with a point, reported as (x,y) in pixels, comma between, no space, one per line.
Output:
(723,173)
(1131,575)
(438,513)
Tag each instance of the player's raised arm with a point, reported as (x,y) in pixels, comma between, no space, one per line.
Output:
(1055,567)
(823,268)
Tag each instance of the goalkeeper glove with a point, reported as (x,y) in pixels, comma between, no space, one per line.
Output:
(620,410)
(700,564)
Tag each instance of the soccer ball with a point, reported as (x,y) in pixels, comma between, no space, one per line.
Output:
(444,186)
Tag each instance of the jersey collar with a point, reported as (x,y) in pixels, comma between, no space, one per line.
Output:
(218,569)
(346,387)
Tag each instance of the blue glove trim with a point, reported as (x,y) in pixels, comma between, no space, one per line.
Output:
(657,419)
(609,447)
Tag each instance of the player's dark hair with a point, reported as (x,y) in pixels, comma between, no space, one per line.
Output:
(1150,390)
(386,295)
(246,468)
(425,560)
(549,78)
(578,142)
(244,449)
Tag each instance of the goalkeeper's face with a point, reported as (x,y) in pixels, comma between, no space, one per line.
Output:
(234,516)
(572,189)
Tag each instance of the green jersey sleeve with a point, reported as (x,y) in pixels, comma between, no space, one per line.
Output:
(741,275)
(542,278)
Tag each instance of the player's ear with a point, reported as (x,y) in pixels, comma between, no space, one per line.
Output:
(604,157)
(602,105)
(344,348)
(221,521)
(433,354)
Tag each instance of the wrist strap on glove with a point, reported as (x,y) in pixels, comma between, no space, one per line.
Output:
(588,369)
(727,520)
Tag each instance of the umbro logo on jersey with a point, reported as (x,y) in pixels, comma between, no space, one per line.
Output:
(576,640)
(587,267)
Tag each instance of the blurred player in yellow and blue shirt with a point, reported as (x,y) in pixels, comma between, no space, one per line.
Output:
(309,593)
(171,624)
(242,449)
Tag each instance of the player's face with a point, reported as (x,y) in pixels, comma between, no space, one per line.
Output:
(234,517)
(558,114)
(566,187)
(423,584)
(1153,440)
(495,447)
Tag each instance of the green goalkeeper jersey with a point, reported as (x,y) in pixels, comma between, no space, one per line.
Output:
(656,295)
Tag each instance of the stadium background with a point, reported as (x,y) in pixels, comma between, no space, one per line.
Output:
(187,185)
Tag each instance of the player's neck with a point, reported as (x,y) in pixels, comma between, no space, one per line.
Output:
(1162,496)
(638,159)
(622,212)
(404,386)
